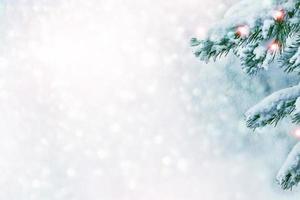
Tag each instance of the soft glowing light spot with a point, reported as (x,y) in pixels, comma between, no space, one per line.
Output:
(71,172)
(243,31)
(274,46)
(36,183)
(201,32)
(102,154)
(296,133)
(279,15)
(132,185)
(166,160)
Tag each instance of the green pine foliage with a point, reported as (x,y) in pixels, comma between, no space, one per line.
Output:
(265,30)
(255,52)
(264,40)
(289,60)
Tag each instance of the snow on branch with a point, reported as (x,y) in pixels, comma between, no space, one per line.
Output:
(290,58)
(256,40)
(289,174)
(273,108)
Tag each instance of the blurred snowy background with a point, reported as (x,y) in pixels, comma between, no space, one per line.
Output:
(104,100)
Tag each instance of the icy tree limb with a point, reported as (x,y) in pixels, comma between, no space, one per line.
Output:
(290,58)
(253,46)
(289,174)
(273,108)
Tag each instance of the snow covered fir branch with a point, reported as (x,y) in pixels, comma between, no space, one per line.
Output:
(273,108)
(257,40)
(289,174)
(271,35)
